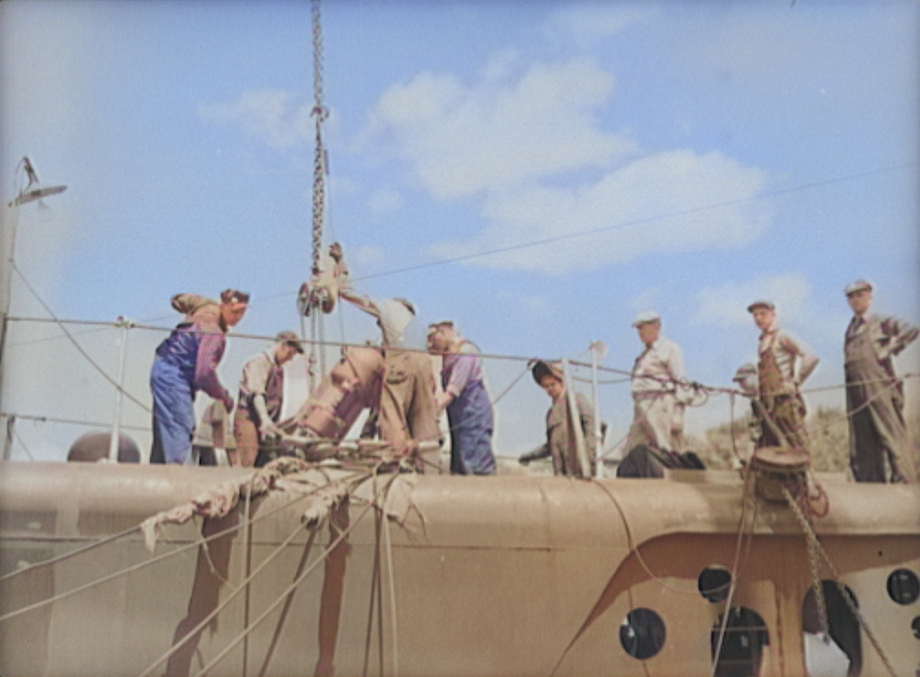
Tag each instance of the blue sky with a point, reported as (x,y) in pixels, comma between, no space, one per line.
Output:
(687,157)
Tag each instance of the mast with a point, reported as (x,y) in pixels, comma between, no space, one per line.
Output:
(25,194)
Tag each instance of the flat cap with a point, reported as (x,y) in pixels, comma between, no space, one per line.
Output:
(760,303)
(744,371)
(435,326)
(859,285)
(290,338)
(646,317)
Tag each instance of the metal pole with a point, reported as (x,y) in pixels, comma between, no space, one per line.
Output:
(574,420)
(119,391)
(595,348)
(8,439)
(5,296)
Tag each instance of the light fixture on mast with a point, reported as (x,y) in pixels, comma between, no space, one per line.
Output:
(26,195)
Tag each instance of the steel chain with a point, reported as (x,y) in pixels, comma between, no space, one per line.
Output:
(319,158)
(816,545)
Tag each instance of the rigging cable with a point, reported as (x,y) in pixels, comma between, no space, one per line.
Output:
(79,348)
(142,565)
(291,588)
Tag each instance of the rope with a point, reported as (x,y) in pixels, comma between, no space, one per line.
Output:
(293,586)
(244,585)
(78,346)
(708,389)
(71,421)
(287,603)
(717,654)
(374,597)
(68,555)
(154,560)
(15,434)
(511,385)
(388,547)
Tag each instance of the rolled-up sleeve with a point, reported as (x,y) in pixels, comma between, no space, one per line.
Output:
(461,373)
(210,351)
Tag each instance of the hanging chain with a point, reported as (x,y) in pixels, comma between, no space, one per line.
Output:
(814,546)
(319,160)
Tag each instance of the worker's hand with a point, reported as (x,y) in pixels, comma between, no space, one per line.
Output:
(269,429)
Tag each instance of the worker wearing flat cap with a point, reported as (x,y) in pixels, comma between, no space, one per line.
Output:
(875,399)
(658,388)
(562,437)
(260,401)
(784,363)
(466,400)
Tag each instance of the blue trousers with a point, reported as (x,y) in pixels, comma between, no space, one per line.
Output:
(470,419)
(173,414)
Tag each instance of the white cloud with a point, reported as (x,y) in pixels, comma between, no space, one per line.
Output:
(502,132)
(726,305)
(269,115)
(668,202)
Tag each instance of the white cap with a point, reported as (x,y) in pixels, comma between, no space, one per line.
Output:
(646,317)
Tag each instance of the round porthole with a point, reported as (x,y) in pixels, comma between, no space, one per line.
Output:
(915,626)
(714,583)
(738,643)
(903,586)
(642,633)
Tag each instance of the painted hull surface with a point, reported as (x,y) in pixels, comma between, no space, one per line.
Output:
(439,575)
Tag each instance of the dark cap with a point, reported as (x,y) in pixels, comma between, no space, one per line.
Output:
(542,369)
(760,304)
(291,339)
(859,285)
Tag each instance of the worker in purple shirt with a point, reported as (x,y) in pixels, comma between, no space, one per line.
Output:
(469,411)
(185,363)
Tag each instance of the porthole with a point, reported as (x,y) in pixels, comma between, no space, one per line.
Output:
(739,651)
(915,626)
(845,647)
(642,633)
(714,583)
(903,586)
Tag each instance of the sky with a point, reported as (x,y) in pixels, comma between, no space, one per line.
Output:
(537,172)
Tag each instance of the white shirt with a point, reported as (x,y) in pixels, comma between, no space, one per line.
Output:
(657,368)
